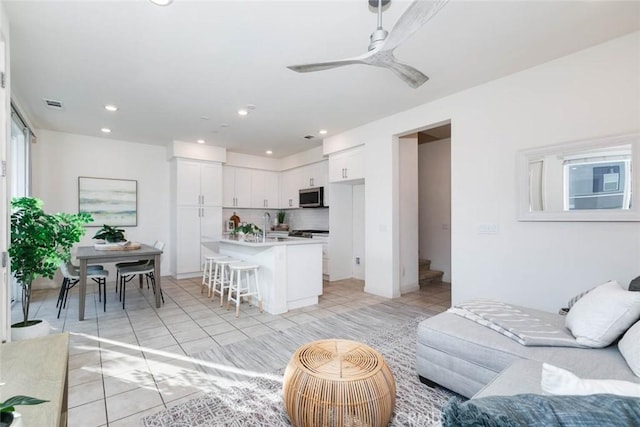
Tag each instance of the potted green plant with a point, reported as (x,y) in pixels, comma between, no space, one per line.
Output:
(8,416)
(40,242)
(281,215)
(110,234)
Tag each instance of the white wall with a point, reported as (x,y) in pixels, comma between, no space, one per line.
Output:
(408,216)
(60,158)
(434,182)
(359,249)
(592,93)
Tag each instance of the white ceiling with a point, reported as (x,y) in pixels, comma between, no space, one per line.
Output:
(166,67)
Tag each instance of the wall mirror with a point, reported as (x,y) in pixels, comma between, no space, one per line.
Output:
(591,180)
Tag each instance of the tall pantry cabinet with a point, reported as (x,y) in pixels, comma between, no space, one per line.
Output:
(196,212)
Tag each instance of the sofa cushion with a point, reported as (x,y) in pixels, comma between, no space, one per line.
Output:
(543,411)
(464,356)
(629,347)
(556,380)
(603,314)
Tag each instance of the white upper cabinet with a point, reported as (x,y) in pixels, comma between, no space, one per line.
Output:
(198,183)
(264,189)
(315,175)
(347,165)
(236,187)
(210,188)
(290,188)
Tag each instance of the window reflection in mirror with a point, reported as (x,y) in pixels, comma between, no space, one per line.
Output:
(583,181)
(591,179)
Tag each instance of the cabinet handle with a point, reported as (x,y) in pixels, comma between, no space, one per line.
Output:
(310,182)
(203,199)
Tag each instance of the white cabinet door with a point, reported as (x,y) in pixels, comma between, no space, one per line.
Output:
(236,187)
(243,188)
(188,242)
(210,224)
(188,183)
(271,190)
(228,187)
(210,184)
(290,194)
(347,165)
(258,200)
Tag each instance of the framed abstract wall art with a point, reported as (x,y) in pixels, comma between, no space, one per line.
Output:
(109,201)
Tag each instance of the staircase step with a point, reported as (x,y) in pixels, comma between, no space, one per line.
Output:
(430,276)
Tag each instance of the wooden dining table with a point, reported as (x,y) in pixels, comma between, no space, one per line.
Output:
(89,255)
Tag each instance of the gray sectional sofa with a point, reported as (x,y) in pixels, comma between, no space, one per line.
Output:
(475,361)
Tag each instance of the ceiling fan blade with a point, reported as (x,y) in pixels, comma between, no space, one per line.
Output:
(416,15)
(410,75)
(319,66)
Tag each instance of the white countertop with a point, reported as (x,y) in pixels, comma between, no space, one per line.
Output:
(270,241)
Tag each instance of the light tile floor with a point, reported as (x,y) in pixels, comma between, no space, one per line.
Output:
(127,364)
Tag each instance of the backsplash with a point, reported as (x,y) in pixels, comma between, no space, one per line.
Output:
(298,219)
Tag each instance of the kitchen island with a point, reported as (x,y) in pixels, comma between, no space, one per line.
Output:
(290,269)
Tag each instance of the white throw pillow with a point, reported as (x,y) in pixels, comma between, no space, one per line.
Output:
(629,347)
(602,315)
(559,381)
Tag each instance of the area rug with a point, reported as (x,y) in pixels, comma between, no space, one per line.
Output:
(258,401)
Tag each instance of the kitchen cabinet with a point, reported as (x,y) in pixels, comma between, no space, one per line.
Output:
(314,175)
(198,183)
(195,226)
(197,212)
(293,180)
(236,187)
(264,189)
(347,165)
(290,189)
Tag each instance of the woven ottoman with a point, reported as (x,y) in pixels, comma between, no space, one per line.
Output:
(338,383)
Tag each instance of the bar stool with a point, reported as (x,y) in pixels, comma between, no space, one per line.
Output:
(240,290)
(210,270)
(222,277)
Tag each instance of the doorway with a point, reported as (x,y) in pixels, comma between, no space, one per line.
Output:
(434,206)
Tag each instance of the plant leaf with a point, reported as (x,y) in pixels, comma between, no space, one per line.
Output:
(7,405)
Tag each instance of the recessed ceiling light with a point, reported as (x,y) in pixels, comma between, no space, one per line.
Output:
(204,117)
(251,107)
(162,2)
(269,152)
(200,141)
(243,112)
(110,107)
(323,132)
(106,130)
(224,125)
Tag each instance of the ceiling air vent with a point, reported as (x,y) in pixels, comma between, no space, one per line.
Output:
(309,137)
(50,103)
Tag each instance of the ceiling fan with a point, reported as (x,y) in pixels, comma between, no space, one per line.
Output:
(383,43)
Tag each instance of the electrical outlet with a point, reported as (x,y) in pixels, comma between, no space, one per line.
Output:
(357,260)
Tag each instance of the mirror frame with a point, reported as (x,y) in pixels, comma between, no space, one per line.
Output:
(525,156)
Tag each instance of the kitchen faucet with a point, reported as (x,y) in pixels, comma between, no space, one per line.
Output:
(267,220)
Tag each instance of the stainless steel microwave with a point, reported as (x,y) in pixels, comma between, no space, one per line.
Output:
(312,197)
